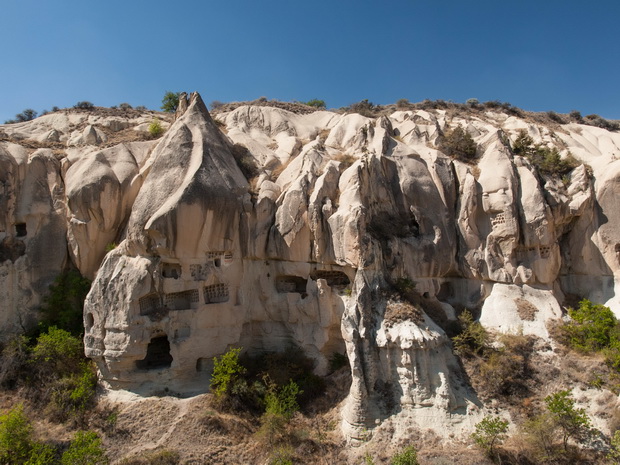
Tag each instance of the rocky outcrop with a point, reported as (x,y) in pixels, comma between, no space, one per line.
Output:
(357,235)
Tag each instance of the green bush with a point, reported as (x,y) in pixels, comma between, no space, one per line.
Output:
(489,432)
(64,306)
(57,353)
(14,361)
(16,444)
(170,102)
(459,144)
(85,449)
(316,103)
(546,160)
(408,456)
(227,371)
(363,107)
(72,395)
(613,455)
(591,328)
(155,128)
(282,401)
(473,338)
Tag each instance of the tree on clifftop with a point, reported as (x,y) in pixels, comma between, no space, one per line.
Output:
(170,102)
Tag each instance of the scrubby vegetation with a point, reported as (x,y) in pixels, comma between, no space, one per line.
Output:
(546,160)
(457,143)
(27,115)
(155,128)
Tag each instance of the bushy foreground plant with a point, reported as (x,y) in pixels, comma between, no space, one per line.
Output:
(473,338)
(85,449)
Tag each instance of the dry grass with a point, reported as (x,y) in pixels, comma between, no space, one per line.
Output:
(525,309)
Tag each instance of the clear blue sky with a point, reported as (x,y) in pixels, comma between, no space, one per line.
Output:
(539,55)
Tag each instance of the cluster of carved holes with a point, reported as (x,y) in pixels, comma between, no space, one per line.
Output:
(545,251)
(523,252)
(157,354)
(216,293)
(171,270)
(196,272)
(287,284)
(182,300)
(500,218)
(20,230)
(149,304)
(333,278)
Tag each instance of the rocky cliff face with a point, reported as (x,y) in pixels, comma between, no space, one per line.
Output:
(344,212)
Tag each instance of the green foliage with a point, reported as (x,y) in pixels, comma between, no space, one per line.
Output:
(84,105)
(170,102)
(473,339)
(613,455)
(85,449)
(155,128)
(546,160)
(57,353)
(316,103)
(573,422)
(489,432)
(226,372)
(72,395)
(125,106)
(504,370)
(408,456)
(16,444)
(64,305)
(282,455)
(15,436)
(459,144)
(282,401)
(592,327)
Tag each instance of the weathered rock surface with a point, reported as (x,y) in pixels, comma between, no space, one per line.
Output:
(309,252)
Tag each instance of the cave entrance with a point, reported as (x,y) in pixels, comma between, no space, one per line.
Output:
(157,354)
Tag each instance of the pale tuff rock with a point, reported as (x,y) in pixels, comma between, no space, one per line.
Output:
(308,252)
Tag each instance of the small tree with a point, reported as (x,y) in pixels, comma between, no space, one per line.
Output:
(226,371)
(170,102)
(573,422)
(489,432)
(84,105)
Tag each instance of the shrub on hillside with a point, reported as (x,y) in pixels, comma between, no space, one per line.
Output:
(17,445)
(245,161)
(473,338)
(84,105)
(85,449)
(155,128)
(459,144)
(227,373)
(316,103)
(546,160)
(408,456)
(363,107)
